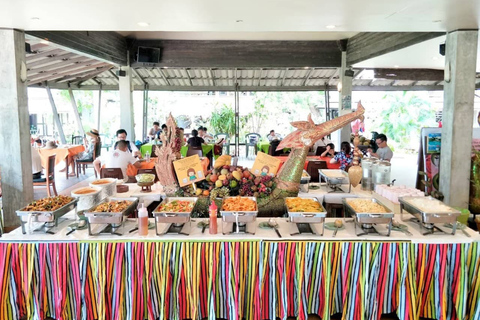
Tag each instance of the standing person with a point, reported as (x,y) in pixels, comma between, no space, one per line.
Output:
(200,131)
(131,147)
(195,140)
(207,136)
(345,156)
(273,136)
(36,164)
(118,158)
(155,130)
(383,152)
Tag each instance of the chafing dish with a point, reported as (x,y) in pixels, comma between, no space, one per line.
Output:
(334,179)
(179,222)
(239,221)
(108,189)
(113,221)
(87,200)
(303,220)
(366,221)
(49,219)
(432,211)
(305,181)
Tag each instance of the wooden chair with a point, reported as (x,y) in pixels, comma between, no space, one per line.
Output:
(114,173)
(84,163)
(154,150)
(313,167)
(251,140)
(272,149)
(151,171)
(194,150)
(49,179)
(76,140)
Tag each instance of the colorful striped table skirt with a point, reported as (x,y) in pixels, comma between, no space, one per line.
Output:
(232,280)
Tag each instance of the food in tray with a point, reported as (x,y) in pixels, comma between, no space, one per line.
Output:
(49,204)
(303,205)
(101,181)
(366,206)
(85,191)
(429,205)
(305,174)
(239,204)
(113,206)
(334,173)
(176,206)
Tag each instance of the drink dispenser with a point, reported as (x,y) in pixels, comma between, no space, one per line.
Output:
(381,172)
(367,173)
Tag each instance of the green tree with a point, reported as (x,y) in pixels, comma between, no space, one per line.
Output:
(223,120)
(403,118)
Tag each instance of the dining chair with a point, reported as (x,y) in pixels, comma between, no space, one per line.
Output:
(226,141)
(76,140)
(114,173)
(49,179)
(151,171)
(194,150)
(313,167)
(272,148)
(85,163)
(251,140)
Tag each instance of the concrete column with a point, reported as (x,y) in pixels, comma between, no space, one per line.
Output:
(126,103)
(16,157)
(75,112)
(345,98)
(459,90)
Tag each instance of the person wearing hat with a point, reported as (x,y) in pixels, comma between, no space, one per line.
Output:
(87,155)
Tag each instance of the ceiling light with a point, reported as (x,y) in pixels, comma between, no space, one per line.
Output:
(44,41)
(339,87)
(396,67)
(331,26)
(143,24)
(238,21)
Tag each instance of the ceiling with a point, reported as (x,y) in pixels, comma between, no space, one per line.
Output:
(242,17)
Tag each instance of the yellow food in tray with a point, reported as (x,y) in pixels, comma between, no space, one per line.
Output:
(366,206)
(236,204)
(113,206)
(49,204)
(303,205)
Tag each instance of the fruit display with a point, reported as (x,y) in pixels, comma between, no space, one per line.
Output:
(176,206)
(363,141)
(113,206)
(230,181)
(303,205)
(49,204)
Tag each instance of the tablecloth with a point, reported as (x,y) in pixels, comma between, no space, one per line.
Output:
(264,145)
(206,148)
(148,147)
(61,153)
(315,158)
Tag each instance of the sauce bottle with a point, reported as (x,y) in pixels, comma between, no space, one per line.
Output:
(143,221)
(212,209)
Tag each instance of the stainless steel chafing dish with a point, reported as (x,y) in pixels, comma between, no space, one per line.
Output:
(109,189)
(335,178)
(241,221)
(366,221)
(427,215)
(179,222)
(304,219)
(305,181)
(50,219)
(113,221)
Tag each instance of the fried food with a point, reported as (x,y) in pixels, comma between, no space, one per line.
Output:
(49,204)
(101,181)
(366,206)
(303,205)
(113,206)
(176,206)
(239,204)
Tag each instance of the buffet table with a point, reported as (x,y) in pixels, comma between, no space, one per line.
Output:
(259,276)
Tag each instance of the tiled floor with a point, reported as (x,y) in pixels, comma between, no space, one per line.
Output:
(63,185)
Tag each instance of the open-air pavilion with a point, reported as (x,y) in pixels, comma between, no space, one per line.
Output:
(337,48)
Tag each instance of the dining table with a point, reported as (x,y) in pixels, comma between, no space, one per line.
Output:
(62,152)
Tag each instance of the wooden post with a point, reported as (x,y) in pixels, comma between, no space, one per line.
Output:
(75,112)
(56,118)
(16,156)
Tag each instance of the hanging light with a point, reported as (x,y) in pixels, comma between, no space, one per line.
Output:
(339,86)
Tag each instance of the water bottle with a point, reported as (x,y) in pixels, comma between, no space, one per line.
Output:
(147,156)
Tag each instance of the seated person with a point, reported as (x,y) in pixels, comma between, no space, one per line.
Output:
(155,130)
(86,155)
(132,148)
(321,143)
(345,156)
(383,152)
(36,164)
(330,151)
(273,136)
(118,158)
(195,140)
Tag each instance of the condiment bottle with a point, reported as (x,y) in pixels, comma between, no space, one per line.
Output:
(213,218)
(143,221)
